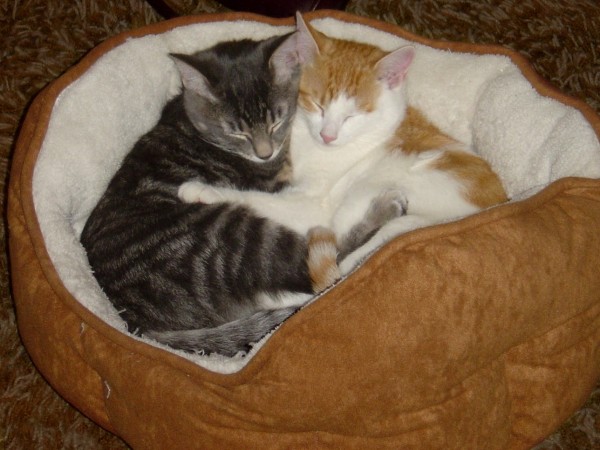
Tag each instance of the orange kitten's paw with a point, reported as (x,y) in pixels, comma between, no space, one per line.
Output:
(197,192)
(322,258)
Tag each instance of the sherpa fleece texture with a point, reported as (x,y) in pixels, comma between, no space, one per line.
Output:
(480,333)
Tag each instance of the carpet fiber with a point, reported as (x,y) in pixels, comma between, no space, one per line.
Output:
(42,38)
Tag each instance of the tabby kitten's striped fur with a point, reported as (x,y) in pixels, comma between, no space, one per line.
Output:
(199,277)
(367,143)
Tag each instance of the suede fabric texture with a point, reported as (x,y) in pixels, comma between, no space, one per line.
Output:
(481,333)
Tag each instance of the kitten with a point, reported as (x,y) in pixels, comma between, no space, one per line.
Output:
(210,278)
(367,143)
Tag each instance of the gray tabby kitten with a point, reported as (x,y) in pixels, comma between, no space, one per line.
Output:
(212,277)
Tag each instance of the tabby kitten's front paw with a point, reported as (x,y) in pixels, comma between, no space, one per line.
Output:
(197,192)
(387,206)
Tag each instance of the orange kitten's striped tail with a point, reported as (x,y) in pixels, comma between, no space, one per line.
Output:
(322,258)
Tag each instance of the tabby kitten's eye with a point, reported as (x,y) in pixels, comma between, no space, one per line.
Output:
(273,128)
(233,130)
(240,135)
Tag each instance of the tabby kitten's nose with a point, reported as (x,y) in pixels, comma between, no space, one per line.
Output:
(263,148)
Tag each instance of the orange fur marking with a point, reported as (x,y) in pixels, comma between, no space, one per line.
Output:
(322,258)
(483,187)
(416,134)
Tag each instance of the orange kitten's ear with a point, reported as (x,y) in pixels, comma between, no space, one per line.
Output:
(191,78)
(392,68)
(308,48)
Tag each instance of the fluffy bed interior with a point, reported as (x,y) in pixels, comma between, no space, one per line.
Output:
(481,100)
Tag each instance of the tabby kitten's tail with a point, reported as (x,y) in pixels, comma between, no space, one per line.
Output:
(237,336)
(228,339)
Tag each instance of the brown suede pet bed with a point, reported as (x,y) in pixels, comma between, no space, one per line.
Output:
(480,333)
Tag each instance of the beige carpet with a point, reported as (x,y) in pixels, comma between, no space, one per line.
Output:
(42,38)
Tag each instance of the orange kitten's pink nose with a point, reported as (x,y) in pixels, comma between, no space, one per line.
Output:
(327,138)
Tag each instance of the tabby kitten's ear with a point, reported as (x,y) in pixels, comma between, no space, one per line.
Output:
(392,68)
(191,78)
(284,61)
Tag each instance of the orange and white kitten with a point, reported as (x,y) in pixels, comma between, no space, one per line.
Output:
(357,146)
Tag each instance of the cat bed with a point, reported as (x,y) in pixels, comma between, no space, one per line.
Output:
(479,333)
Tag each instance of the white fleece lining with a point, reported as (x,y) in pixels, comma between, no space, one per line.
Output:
(482,100)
